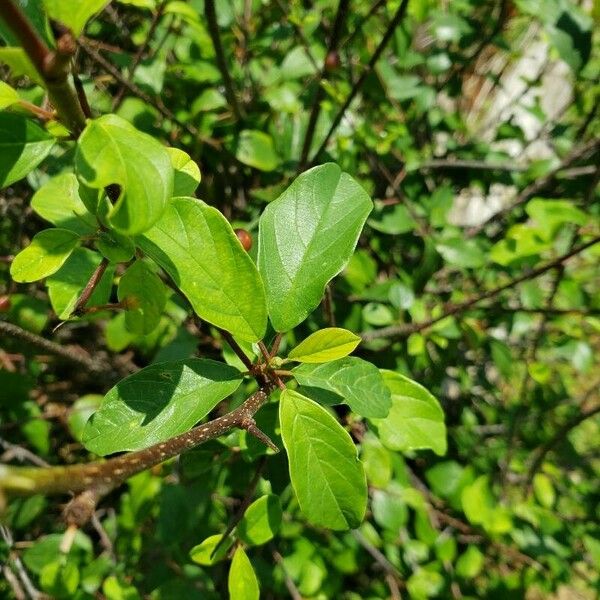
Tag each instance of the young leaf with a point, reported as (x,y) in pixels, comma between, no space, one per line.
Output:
(187,173)
(112,151)
(261,521)
(242,582)
(197,247)
(325,345)
(23,146)
(66,285)
(46,254)
(146,297)
(58,201)
(114,246)
(356,382)
(306,237)
(415,421)
(327,477)
(158,402)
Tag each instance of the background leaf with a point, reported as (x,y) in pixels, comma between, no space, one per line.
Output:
(415,420)
(242,582)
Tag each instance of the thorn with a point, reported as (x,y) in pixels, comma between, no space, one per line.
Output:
(249,424)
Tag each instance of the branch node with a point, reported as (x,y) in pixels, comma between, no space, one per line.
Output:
(80,509)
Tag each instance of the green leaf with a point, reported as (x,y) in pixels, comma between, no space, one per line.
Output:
(115,247)
(18,62)
(256,149)
(481,508)
(470,563)
(242,582)
(157,403)
(327,477)
(356,382)
(80,411)
(415,421)
(145,294)
(58,201)
(325,345)
(261,521)
(23,146)
(462,253)
(549,215)
(306,237)
(203,552)
(187,174)
(196,246)
(544,490)
(112,151)
(66,285)
(46,254)
(8,95)
(74,14)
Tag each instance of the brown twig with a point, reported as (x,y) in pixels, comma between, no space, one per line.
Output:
(78,357)
(92,481)
(90,287)
(453,309)
(54,66)
(334,39)
(139,55)
(396,20)
(289,582)
(213,30)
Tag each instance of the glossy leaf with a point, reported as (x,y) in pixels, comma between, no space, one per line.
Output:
(415,420)
(261,521)
(197,247)
(354,381)
(66,285)
(112,151)
(306,237)
(187,174)
(58,201)
(46,254)
(325,345)
(23,146)
(327,477)
(242,583)
(145,296)
(157,403)
(255,149)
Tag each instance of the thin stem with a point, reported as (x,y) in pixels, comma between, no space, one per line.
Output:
(396,20)
(213,30)
(275,345)
(56,349)
(137,59)
(237,349)
(90,286)
(408,328)
(41,113)
(334,39)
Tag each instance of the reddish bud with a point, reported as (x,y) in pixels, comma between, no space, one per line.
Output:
(332,61)
(245,239)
